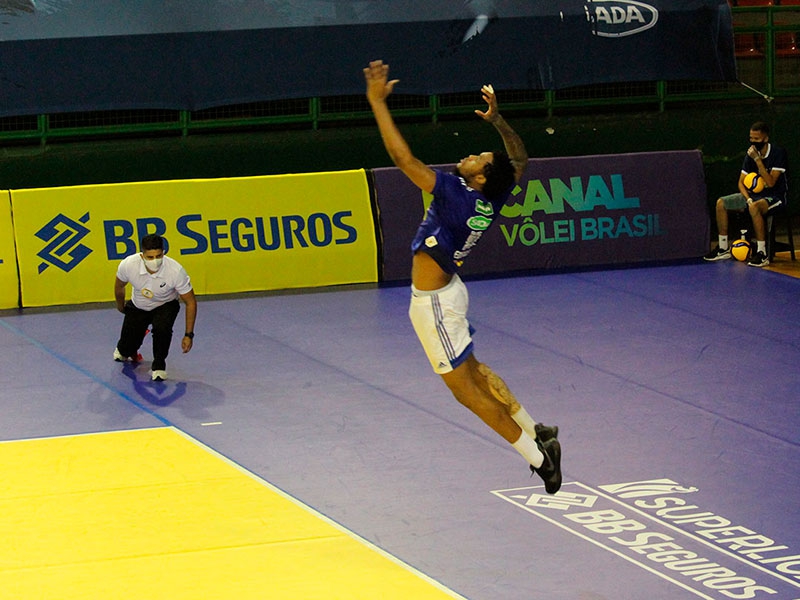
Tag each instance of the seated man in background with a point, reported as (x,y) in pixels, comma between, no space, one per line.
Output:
(769,162)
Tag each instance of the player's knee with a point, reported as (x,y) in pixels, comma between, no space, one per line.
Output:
(455,382)
(159,330)
(483,370)
(461,384)
(485,378)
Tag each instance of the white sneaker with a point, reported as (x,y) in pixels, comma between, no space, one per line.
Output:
(158,375)
(119,358)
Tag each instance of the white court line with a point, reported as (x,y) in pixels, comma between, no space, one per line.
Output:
(336,525)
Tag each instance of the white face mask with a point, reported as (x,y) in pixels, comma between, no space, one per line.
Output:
(153,264)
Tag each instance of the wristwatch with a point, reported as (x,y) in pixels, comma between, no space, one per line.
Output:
(189,334)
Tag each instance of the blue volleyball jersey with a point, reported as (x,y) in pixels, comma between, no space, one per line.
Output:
(774,159)
(457,218)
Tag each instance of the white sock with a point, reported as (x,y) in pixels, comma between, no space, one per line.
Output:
(723,242)
(524,420)
(529,450)
(762,246)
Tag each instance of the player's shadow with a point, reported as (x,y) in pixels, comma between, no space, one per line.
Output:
(158,393)
(199,397)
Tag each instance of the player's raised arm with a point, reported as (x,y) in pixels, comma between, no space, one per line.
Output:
(515,148)
(378,90)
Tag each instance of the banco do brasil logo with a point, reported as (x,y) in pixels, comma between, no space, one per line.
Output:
(63,247)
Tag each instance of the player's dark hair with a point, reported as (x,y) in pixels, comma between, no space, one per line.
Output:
(152,242)
(500,175)
(760,126)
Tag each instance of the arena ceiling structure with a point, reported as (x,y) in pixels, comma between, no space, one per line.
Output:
(85,55)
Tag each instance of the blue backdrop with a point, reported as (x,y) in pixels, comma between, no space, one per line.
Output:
(78,55)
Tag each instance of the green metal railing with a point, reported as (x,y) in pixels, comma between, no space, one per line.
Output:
(768,60)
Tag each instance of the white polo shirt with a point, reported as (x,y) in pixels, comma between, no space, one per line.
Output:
(151,290)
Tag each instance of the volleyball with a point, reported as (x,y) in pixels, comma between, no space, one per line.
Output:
(740,250)
(753,182)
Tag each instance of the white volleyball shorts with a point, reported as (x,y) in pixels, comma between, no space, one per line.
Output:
(439,318)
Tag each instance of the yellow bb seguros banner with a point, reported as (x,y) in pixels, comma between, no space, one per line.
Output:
(9,280)
(231,235)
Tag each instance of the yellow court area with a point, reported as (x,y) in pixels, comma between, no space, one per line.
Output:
(154,514)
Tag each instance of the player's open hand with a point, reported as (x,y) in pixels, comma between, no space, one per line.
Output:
(492,112)
(378,85)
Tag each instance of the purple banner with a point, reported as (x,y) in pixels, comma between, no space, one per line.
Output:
(569,212)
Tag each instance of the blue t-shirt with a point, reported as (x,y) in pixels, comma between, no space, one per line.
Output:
(774,159)
(457,218)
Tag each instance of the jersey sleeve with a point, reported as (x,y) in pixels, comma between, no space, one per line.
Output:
(781,161)
(446,188)
(184,283)
(122,271)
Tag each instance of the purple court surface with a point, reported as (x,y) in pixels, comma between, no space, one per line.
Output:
(676,389)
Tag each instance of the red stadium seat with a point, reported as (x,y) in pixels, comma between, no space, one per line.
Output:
(786,43)
(748,44)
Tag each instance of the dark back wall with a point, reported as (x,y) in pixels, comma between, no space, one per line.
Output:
(719,131)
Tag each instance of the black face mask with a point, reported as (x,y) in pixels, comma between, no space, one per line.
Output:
(758,145)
